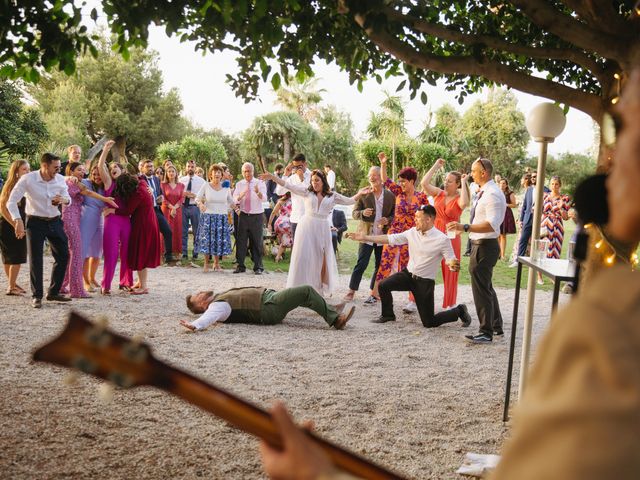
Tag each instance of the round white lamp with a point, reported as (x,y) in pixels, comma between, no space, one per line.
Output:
(545,122)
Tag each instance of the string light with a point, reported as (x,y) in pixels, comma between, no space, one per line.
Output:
(615,100)
(608,252)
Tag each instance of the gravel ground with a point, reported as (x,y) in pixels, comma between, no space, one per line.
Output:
(413,399)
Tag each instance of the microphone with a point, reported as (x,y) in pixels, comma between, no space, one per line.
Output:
(590,202)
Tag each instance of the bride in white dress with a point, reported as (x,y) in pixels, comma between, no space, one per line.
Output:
(313,261)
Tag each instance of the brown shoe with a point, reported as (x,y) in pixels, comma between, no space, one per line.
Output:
(343,318)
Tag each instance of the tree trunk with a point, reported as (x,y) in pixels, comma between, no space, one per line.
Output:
(286,146)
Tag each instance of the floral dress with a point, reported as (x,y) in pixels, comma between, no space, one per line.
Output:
(553,209)
(282,225)
(396,257)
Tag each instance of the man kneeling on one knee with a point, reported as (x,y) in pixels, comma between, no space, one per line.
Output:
(261,305)
(427,247)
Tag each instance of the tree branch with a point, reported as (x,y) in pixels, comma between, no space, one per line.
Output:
(599,15)
(573,31)
(498,44)
(491,70)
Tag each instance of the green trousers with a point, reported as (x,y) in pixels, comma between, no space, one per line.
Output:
(276,305)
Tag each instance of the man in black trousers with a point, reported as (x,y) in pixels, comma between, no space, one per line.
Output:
(163,225)
(375,212)
(427,247)
(485,251)
(46,190)
(249,193)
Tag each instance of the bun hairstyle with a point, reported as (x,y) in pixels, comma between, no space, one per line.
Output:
(458,177)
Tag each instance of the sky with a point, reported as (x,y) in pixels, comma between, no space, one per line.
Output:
(210,102)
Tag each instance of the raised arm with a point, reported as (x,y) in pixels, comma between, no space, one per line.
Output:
(426,180)
(383,166)
(300,189)
(465,196)
(103,170)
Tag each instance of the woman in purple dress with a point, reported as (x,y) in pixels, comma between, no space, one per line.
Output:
(71,218)
(91,227)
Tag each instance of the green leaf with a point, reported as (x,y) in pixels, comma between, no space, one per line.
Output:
(401,85)
(275,81)
(423,98)
(94,14)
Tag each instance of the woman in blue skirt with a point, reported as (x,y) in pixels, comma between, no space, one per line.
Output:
(214,233)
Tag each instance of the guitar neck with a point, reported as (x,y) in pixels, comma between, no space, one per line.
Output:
(252,419)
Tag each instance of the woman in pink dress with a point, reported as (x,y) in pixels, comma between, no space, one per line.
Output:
(173,196)
(449,204)
(395,258)
(73,279)
(144,241)
(117,228)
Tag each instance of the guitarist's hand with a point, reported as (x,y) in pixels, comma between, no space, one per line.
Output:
(300,458)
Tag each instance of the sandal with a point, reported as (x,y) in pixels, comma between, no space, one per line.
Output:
(125,288)
(15,291)
(104,291)
(139,292)
(20,289)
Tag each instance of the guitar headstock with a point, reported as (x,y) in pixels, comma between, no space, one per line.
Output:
(94,349)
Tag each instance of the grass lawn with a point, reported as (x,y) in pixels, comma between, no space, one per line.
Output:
(503,276)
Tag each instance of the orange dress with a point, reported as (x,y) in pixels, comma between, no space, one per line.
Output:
(448,212)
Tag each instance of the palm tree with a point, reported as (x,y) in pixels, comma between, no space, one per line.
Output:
(301,97)
(278,132)
(390,124)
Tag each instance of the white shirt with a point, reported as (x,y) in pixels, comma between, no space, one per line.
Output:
(196,184)
(297,202)
(426,250)
(215,312)
(256,202)
(216,202)
(490,207)
(331,179)
(377,229)
(39,194)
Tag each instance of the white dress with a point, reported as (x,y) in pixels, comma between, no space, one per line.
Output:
(312,244)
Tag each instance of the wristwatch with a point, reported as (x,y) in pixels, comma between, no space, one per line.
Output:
(465,227)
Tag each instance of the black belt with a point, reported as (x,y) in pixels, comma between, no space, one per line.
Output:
(244,213)
(483,241)
(416,277)
(43,219)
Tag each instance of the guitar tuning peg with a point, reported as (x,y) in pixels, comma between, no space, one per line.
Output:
(137,339)
(70,379)
(105,392)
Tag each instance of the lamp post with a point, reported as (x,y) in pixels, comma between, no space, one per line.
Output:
(544,123)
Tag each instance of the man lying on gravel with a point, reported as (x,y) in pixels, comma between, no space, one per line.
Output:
(262,306)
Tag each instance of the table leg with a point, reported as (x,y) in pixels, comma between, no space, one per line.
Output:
(512,343)
(556,294)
